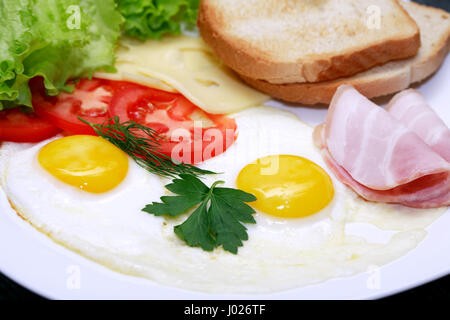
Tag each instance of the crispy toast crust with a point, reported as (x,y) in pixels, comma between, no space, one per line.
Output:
(251,62)
(371,83)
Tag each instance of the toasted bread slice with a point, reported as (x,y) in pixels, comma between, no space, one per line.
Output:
(383,80)
(293,41)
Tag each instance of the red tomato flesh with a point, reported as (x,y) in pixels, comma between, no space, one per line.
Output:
(170,115)
(16,126)
(90,100)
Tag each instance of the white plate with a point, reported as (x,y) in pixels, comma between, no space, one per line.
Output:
(34,261)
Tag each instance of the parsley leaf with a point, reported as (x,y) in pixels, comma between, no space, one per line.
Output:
(218,219)
(195,231)
(191,191)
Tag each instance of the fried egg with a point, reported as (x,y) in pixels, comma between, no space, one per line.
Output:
(309,227)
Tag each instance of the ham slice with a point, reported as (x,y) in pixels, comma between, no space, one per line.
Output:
(410,108)
(378,156)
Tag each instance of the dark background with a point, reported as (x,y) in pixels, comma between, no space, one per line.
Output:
(436,290)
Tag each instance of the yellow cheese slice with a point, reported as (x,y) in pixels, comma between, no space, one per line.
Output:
(131,73)
(187,65)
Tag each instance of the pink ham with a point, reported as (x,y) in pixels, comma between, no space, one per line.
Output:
(430,191)
(379,157)
(412,110)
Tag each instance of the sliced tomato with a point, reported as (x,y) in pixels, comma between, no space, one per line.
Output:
(89,100)
(173,117)
(17,126)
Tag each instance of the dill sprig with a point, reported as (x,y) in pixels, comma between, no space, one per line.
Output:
(142,143)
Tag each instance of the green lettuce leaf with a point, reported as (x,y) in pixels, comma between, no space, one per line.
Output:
(156,18)
(55,39)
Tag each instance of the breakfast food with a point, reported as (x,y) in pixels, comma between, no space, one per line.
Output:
(154,19)
(285,42)
(380,80)
(180,124)
(379,158)
(17,126)
(299,243)
(411,108)
(57,41)
(165,166)
(186,65)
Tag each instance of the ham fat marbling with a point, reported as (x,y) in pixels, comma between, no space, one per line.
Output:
(411,108)
(385,156)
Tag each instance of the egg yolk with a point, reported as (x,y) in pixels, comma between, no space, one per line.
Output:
(86,162)
(286,186)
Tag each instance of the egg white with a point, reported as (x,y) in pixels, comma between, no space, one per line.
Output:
(347,237)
